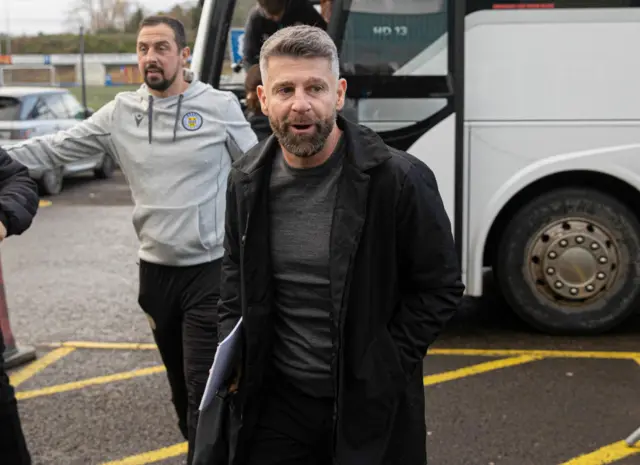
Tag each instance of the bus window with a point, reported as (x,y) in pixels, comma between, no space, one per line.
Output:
(381,36)
(401,38)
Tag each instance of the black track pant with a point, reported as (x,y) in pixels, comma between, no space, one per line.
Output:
(181,303)
(13,447)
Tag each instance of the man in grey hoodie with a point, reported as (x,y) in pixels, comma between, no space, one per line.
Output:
(169,139)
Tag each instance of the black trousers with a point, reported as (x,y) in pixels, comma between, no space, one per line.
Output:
(13,447)
(293,428)
(181,304)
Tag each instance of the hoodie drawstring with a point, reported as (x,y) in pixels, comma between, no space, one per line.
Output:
(150,115)
(175,124)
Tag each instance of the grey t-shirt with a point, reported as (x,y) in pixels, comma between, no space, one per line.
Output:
(301,212)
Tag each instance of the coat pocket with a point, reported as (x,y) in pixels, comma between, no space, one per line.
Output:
(381,372)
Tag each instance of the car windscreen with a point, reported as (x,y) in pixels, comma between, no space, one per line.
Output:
(9,109)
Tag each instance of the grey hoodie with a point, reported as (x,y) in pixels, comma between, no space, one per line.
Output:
(172,152)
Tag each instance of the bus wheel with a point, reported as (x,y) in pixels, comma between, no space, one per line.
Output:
(569,262)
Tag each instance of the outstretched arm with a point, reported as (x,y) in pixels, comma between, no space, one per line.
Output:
(252,40)
(85,139)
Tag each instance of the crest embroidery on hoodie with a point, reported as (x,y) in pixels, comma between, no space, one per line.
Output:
(192,121)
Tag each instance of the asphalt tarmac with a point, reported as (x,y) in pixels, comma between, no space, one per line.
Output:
(497,392)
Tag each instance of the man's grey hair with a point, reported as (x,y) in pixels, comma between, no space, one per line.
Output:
(300,42)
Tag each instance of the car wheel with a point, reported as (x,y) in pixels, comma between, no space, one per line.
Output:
(106,169)
(569,262)
(51,182)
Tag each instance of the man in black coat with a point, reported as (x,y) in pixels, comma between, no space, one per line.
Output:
(18,206)
(339,257)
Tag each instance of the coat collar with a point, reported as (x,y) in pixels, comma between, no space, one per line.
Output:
(365,149)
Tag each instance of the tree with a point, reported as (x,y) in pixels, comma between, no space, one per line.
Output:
(117,16)
(196,12)
(134,21)
(102,15)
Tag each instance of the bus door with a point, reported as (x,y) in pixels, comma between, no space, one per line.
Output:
(403,62)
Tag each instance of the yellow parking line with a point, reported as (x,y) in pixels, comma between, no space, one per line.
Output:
(178,449)
(40,364)
(477,369)
(607,454)
(433,351)
(45,203)
(536,353)
(152,456)
(104,345)
(88,382)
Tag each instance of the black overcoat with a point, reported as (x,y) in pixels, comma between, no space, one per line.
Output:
(395,282)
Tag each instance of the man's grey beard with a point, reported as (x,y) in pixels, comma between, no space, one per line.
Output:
(303,145)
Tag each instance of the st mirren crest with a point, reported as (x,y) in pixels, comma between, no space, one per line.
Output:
(192,121)
(138,117)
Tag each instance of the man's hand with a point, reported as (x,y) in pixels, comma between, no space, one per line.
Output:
(3,232)
(236,380)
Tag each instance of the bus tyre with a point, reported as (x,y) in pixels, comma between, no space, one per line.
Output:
(569,262)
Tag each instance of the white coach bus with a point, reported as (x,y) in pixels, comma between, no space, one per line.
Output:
(529,114)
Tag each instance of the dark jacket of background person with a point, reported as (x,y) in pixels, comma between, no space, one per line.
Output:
(18,206)
(18,196)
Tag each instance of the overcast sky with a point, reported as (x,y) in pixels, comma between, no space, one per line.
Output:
(50,16)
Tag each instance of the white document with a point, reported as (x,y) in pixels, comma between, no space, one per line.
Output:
(222,364)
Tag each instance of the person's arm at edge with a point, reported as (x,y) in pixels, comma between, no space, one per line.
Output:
(313,17)
(229,305)
(251,40)
(431,287)
(87,138)
(18,196)
(238,126)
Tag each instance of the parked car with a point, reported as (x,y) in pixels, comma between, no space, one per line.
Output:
(27,112)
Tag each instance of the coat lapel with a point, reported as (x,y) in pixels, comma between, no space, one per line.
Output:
(365,150)
(255,169)
(348,219)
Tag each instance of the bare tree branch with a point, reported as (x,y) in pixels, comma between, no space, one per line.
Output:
(101,15)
